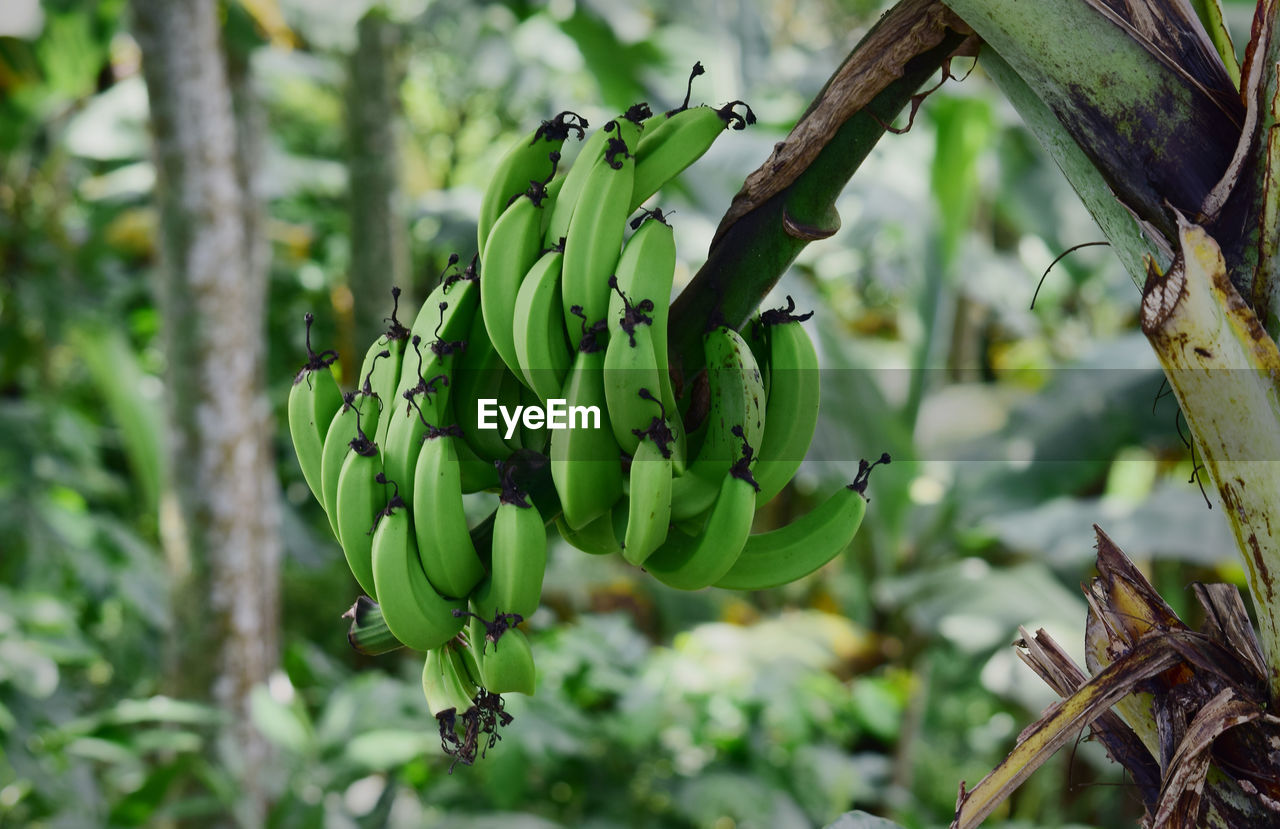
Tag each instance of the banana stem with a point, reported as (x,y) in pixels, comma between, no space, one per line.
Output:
(1225,371)
(790,200)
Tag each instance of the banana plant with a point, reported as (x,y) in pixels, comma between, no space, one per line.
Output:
(1170,144)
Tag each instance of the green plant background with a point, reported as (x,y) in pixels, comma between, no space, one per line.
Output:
(878,684)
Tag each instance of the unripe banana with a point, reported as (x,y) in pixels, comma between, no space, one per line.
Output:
(468,662)
(446,684)
(756,334)
(542,346)
(477,474)
(409,428)
(594,240)
(646,270)
(374,371)
(313,401)
(792,552)
(511,396)
(385,377)
(567,199)
(507,664)
(601,537)
(337,445)
(444,541)
(515,244)
(668,147)
(585,461)
(737,396)
(629,366)
(791,415)
(478,374)
(519,557)
(533,438)
(418,616)
(737,400)
(442,326)
(649,498)
(693,562)
(359,498)
(526,162)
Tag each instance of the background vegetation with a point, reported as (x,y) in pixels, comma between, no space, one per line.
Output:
(877,684)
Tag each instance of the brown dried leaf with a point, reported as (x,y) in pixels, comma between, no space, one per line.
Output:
(1061,721)
(1227,622)
(1185,774)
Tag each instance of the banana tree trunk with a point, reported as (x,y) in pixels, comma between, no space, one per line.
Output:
(379,239)
(221,537)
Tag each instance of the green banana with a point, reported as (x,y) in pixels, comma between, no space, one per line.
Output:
(649,495)
(415,613)
(436,340)
(533,438)
(515,244)
(737,399)
(737,395)
(442,325)
(629,367)
(358,499)
(386,377)
(646,270)
(478,374)
(511,396)
(477,474)
(542,346)
(526,162)
(375,376)
(446,683)
(507,664)
(519,553)
(756,334)
(567,199)
(337,444)
(693,562)
(407,430)
(801,547)
(791,415)
(313,402)
(594,238)
(677,140)
(600,537)
(585,461)
(444,541)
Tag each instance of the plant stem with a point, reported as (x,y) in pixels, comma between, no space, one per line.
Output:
(789,202)
(1225,371)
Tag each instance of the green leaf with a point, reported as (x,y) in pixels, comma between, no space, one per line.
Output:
(386,749)
(1121,97)
(280,723)
(861,820)
(161,709)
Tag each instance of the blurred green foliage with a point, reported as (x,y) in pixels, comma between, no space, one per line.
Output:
(877,684)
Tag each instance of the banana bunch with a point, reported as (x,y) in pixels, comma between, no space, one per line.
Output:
(539,375)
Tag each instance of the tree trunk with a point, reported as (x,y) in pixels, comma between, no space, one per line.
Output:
(222,539)
(379,243)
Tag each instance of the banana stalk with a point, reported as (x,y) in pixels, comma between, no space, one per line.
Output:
(789,201)
(1225,371)
(1125,89)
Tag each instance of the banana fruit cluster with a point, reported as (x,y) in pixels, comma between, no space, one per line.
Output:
(561,318)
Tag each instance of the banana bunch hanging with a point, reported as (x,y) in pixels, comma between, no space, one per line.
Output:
(561,318)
